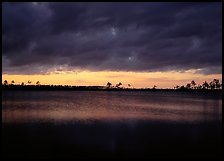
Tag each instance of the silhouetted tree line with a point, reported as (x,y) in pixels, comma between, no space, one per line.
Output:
(214,84)
(109,85)
(205,86)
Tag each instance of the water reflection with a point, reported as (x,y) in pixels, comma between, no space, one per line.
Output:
(83,106)
(111,124)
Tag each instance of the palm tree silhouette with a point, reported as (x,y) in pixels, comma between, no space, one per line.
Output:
(109,84)
(5,82)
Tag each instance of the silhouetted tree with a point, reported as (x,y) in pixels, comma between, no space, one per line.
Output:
(193,84)
(182,87)
(199,86)
(217,84)
(154,87)
(188,86)
(212,85)
(109,84)
(5,82)
(29,82)
(177,87)
(205,85)
(12,82)
(38,83)
(22,84)
(119,84)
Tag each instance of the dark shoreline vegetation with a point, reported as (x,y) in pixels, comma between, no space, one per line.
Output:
(96,88)
(213,86)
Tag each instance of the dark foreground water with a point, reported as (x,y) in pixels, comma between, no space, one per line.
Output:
(110,124)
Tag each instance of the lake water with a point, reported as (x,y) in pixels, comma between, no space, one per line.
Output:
(63,106)
(79,124)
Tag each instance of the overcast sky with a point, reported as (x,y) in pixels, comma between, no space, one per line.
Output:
(139,37)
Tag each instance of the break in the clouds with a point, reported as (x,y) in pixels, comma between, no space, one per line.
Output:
(37,37)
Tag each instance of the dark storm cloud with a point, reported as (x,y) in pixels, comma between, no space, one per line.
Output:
(112,36)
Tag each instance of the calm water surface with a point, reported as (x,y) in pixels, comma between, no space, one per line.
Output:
(62,106)
(111,124)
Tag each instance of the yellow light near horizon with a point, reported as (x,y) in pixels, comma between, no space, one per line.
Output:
(136,79)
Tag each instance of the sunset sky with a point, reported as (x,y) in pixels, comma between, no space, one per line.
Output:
(142,44)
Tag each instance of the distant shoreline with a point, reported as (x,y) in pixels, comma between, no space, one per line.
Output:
(94,88)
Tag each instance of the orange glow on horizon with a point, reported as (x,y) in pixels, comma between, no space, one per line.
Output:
(136,79)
